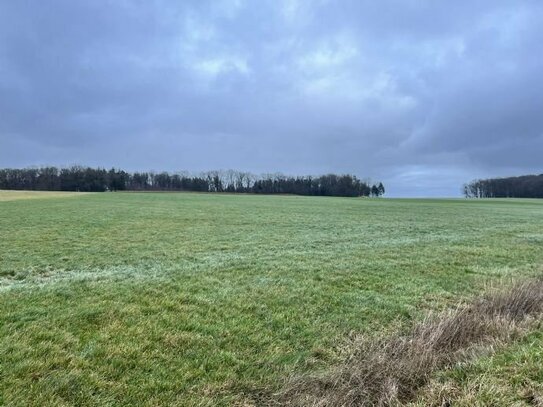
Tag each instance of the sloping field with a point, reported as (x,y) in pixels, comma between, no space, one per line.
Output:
(203,300)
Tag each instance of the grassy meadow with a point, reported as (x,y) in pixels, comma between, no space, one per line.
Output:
(509,377)
(118,299)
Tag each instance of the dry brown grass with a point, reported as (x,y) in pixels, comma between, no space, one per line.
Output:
(389,371)
(6,195)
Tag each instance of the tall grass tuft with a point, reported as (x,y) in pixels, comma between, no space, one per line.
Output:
(389,371)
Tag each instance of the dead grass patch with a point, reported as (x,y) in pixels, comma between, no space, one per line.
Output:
(10,195)
(389,371)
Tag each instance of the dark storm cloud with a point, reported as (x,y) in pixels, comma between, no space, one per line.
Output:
(423,95)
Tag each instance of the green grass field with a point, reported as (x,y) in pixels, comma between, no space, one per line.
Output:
(509,377)
(150,299)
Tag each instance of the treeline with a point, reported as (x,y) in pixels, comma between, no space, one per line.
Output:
(526,186)
(86,179)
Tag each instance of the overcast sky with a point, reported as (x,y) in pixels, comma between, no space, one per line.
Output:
(422,95)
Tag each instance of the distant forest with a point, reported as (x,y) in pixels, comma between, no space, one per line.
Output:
(526,186)
(86,179)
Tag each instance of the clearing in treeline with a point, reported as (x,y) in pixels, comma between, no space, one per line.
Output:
(204,299)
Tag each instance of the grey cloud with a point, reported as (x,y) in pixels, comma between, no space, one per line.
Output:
(422,95)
